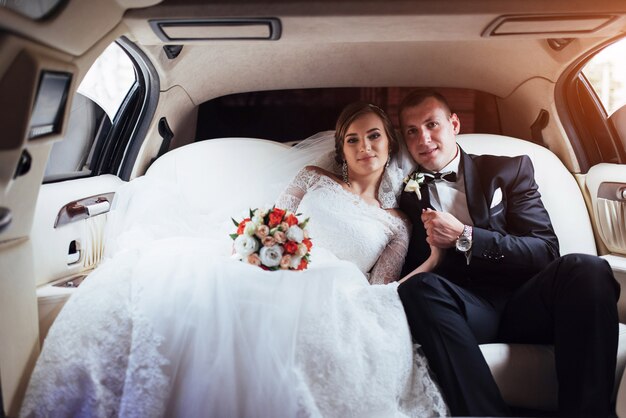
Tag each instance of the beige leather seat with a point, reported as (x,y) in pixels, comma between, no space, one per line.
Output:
(526,373)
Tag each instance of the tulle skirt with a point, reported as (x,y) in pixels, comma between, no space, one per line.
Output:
(175,330)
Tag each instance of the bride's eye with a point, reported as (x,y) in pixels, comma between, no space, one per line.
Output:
(375,135)
(352,140)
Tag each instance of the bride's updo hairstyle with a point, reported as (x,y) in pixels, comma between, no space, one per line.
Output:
(351,113)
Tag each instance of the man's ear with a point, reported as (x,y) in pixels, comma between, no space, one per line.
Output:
(455,122)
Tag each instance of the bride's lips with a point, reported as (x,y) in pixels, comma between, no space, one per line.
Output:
(366,158)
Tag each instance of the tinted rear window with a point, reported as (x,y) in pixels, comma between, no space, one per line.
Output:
(288,115)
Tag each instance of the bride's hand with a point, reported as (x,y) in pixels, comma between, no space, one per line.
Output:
(436,256)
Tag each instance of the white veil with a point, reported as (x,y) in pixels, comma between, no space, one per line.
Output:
(319,150)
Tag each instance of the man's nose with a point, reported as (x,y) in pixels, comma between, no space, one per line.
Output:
(423,137)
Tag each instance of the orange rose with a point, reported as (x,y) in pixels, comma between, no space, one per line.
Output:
(308,243)
(276,217)
(242,226)
(303,264)
(291,220)
(291,247)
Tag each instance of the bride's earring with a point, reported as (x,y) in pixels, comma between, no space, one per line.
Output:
(344,173)
(388,160)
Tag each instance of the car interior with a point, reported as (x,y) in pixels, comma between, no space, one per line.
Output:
(198,87)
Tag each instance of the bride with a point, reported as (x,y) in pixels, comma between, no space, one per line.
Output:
(176,327)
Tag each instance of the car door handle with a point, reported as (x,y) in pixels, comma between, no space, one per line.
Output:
(84,208)
(612,191)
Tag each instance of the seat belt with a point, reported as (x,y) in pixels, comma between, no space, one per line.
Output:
(536,129)
(167,135)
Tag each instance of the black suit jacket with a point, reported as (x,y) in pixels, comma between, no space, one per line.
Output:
(511,242)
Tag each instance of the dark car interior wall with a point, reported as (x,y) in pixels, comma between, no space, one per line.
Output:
(291,115)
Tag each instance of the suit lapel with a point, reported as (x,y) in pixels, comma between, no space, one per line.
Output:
(476,202)
(424,202)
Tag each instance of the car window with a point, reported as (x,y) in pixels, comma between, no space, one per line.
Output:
(606,72)
(109,79)
(291,115)
(94,106)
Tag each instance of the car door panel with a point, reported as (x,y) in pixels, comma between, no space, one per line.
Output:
(51,244)
(68,246)
(606,185)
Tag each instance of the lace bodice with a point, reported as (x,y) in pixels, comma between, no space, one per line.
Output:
(353,230)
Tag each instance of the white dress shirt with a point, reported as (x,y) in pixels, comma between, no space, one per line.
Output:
(450,197)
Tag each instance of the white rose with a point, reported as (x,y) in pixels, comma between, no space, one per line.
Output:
(249,229)
(294,233)
(295,262)
(257,220)
(245,245)
(270,256)
(413,186)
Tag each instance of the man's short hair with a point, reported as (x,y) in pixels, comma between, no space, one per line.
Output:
(417,96)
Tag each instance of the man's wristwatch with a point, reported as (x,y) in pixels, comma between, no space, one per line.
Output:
(464,242)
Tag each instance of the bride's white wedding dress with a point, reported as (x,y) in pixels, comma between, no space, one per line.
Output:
(172,326)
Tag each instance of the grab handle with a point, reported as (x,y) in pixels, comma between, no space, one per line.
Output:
(84,208)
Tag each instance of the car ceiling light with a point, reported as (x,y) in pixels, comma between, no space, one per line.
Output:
(547,25)
(217,29)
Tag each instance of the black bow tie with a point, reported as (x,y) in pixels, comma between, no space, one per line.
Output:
(447,176)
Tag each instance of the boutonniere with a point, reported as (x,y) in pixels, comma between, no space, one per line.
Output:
(413,183)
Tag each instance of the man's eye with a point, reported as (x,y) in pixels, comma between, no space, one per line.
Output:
(432,125)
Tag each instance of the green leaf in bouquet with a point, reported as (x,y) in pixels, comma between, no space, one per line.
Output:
(235,222)
(304,223)
(233,236)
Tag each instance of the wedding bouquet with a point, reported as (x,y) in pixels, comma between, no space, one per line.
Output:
(273,239)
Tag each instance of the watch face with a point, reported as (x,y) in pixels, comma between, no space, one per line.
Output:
(463,243)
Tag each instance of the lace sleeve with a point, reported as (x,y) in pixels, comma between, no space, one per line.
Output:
(389,265)
(290,198)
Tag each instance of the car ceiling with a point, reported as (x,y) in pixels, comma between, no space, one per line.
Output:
(334,43)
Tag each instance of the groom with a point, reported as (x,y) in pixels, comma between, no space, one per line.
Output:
(502,279)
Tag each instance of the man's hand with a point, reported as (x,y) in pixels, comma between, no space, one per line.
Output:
(442,229)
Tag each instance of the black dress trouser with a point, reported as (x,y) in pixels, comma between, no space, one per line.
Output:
(572,304)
